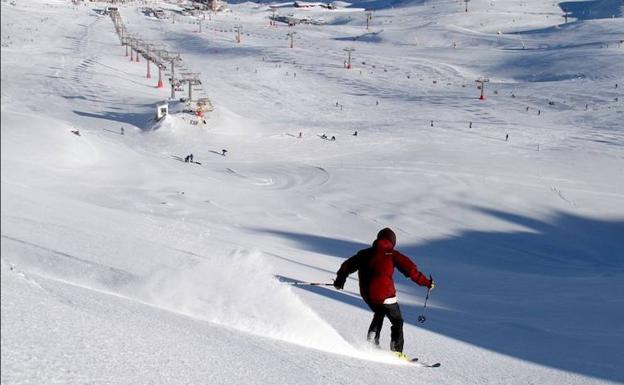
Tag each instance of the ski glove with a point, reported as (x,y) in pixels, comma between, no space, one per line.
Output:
(339,283)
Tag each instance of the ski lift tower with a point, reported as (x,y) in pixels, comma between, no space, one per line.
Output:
(192,78)
(173,60)
(292,38)
(130,40)
(238,29)
(148,58)
(162,60)
(348,50)
(138,47)
(125,41)
(481,86)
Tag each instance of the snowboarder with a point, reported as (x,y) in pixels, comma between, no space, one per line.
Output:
(375,266)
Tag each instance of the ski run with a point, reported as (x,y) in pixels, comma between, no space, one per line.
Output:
(147,239)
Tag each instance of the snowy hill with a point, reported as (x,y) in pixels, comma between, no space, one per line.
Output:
(122,264)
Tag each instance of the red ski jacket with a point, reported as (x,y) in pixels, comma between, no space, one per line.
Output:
(375,267)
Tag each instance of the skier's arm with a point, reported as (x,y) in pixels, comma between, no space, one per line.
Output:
(410,270)
(349,266)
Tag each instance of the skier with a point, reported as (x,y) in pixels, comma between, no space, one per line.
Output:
(191,158)
(375,266)
(223,152)
(506,137)
(186,158)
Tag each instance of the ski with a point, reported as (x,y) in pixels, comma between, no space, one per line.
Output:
(424,364)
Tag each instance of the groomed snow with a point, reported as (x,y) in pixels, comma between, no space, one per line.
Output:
(121,264)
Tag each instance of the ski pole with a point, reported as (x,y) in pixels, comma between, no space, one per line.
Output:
(422,318)
(308,283)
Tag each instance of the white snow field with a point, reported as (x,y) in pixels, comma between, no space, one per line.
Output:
(122,264)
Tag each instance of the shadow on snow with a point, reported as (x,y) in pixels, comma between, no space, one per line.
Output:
(550,293)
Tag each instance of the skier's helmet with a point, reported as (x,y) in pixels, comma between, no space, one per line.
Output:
(388,234)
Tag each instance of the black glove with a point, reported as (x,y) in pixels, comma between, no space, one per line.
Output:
(339,282)
(432,284)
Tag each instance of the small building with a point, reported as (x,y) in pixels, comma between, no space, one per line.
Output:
(162,110)
(213,5)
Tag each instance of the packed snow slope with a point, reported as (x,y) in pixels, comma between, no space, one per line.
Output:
(122,264)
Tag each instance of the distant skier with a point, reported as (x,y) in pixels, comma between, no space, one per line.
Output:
(375,266)
(506,137)
(186,158)
(223,152)
(355,133)
(333,137)
(122,130)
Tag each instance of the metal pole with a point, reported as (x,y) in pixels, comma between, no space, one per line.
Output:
(348,51)
(173,78)
(160,82)
(147,59)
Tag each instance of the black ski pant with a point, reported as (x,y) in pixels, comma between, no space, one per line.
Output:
(393,312)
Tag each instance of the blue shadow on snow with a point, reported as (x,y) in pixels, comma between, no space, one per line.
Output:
(551,292)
